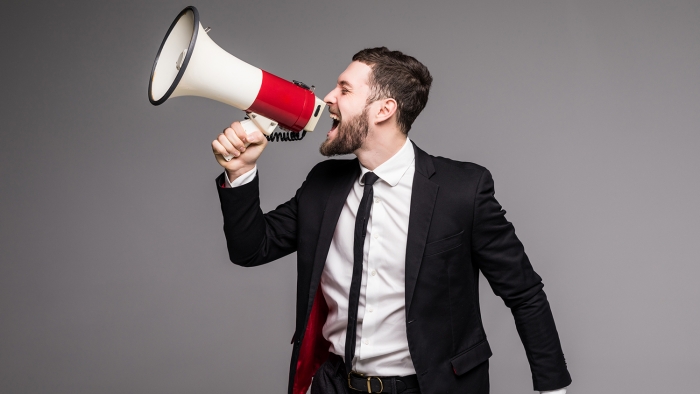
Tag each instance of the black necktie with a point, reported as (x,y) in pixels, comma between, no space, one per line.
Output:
(360,232)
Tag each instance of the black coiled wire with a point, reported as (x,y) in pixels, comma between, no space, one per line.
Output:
(286,136)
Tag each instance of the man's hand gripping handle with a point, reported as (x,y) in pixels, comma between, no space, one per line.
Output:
(238,147)
(254,123)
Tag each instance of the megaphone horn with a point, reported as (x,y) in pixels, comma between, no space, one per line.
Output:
(189,63)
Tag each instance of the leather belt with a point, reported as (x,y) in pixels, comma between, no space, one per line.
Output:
(381,384)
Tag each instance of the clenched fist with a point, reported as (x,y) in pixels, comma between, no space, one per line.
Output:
(245,149)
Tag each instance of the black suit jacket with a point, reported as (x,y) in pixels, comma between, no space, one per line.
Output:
(456,229)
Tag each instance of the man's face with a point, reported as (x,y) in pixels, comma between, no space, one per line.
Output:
(347,104)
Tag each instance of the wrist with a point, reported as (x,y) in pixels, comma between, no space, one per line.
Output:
(233,174)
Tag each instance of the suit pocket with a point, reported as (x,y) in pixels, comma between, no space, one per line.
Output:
(465,361)
(443,245)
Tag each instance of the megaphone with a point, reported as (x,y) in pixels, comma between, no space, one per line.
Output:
(189,63)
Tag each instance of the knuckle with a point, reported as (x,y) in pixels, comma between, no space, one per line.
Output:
(231,135)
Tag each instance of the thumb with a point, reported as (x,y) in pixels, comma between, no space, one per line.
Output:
(256,137)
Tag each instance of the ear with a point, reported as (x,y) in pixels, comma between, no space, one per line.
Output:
(386,109)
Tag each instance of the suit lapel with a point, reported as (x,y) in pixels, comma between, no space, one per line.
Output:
(423,195)
(334,206)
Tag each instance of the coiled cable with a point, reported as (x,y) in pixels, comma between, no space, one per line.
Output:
(286,136)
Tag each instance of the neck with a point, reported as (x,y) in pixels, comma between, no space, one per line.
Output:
(379,146)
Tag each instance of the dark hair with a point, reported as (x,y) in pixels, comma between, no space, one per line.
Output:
(398,76)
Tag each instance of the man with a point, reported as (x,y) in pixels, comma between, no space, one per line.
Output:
(389,247)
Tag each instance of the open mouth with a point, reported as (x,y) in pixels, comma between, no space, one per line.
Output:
(336,120)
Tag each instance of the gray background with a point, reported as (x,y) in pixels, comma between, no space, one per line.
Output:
(114,275)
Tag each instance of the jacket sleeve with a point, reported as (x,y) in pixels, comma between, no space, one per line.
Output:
(501,258)
(254,238)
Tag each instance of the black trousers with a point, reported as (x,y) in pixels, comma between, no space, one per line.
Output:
(331,378)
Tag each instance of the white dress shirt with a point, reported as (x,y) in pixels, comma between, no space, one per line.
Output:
(382,344)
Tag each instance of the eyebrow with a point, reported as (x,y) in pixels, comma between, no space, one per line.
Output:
(344,84)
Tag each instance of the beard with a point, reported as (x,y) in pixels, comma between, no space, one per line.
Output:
(350,135)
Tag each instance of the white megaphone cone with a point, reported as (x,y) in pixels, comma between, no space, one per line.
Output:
(189,63)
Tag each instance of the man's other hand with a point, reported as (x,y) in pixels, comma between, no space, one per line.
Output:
(245,149)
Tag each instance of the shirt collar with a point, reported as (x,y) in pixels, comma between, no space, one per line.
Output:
(392,170)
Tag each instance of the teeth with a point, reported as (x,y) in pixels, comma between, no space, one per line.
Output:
(335,117)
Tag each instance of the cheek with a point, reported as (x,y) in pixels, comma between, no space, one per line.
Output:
(349,109)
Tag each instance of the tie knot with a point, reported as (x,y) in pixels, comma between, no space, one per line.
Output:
(369,178)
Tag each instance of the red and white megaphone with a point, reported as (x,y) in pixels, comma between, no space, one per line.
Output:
(189,63)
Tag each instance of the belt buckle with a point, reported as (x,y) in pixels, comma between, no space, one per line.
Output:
(369,381)
(369,387)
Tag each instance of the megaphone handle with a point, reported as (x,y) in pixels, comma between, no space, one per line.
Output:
(256,122)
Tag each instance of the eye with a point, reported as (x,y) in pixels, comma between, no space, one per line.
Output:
(344,91)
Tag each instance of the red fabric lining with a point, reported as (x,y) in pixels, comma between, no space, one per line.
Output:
(314,348)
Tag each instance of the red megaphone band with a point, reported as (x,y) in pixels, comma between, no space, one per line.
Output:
(285,102)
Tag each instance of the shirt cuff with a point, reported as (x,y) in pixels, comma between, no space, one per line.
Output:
(560,391)
(241,180)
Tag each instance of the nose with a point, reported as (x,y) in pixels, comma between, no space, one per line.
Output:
(330,97)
